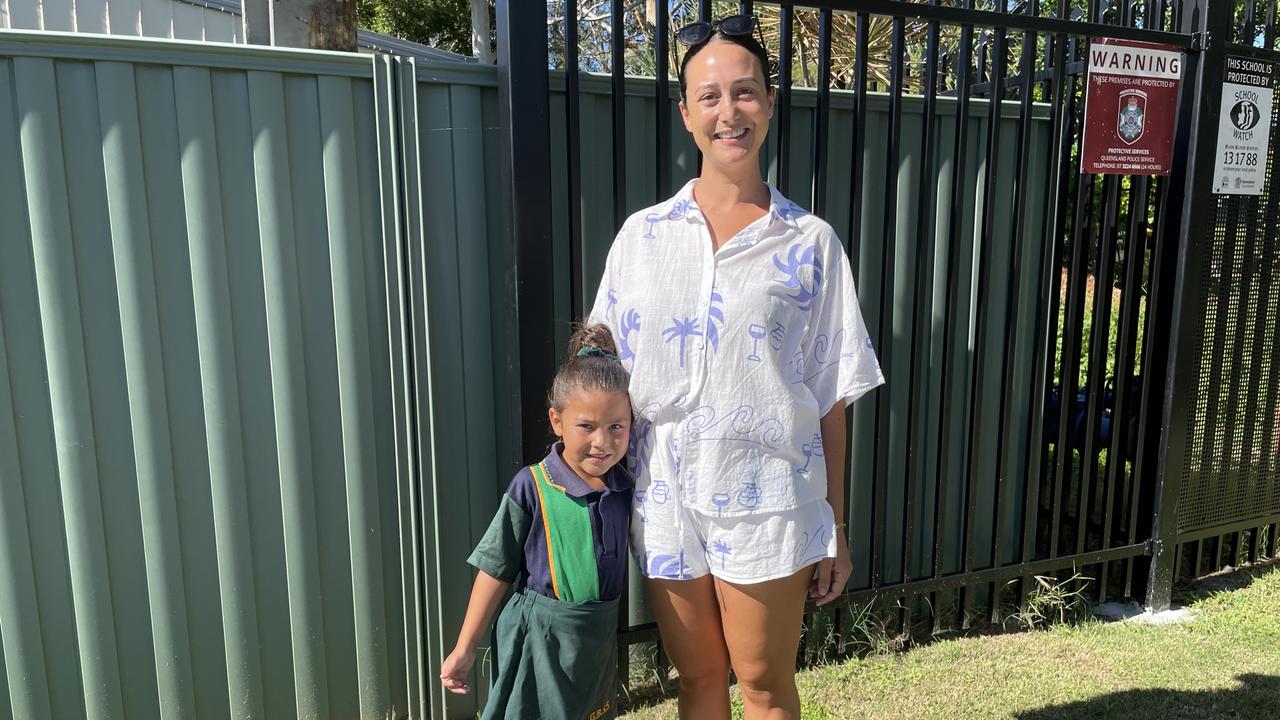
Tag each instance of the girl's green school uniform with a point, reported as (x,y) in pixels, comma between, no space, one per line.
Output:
(562,544)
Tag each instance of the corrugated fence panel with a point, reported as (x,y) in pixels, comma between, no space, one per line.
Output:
(54,218)
(457,227)
(199,477)
(135,237)
(31,522)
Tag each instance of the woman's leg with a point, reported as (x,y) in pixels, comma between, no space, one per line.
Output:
(689,621)
(762,630)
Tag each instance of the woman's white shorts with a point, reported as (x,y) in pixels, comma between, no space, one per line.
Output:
(677,543)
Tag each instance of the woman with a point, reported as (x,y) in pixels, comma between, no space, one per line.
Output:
(736,314)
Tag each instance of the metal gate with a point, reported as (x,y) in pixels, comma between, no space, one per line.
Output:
(1220,473)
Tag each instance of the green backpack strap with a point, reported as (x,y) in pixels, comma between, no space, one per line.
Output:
(571,547)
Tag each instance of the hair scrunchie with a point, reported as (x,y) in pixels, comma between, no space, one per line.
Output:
(589,351)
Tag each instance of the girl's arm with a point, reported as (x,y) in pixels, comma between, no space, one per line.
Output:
(833,573)
(486,595)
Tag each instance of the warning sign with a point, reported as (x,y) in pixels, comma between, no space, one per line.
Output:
(1244,127)
(1130,107)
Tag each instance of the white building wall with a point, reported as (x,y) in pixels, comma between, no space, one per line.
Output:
(147,18)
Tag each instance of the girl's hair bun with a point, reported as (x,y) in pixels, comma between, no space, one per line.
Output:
(592,363)
(586,335)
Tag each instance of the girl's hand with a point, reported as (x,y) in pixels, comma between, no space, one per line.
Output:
(832,574)
(486,595)
(454,670)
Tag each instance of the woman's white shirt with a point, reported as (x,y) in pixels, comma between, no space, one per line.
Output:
(734,355)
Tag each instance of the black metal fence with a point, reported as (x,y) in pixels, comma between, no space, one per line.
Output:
(1027,315)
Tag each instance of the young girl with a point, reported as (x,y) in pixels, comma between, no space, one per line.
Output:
(559,537)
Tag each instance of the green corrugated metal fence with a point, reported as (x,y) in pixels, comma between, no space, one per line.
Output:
(198,459)
(456,275)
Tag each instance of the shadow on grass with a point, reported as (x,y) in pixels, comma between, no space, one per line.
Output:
(1257,698)
(1225,580)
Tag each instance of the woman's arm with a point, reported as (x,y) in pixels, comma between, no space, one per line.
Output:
(834,439)
(833,573)
(486,595)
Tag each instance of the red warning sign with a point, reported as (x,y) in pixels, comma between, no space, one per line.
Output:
(1130,109)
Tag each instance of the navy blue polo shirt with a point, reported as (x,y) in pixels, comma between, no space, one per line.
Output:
(515,545)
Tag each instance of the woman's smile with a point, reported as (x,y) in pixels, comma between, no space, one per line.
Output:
(731,135)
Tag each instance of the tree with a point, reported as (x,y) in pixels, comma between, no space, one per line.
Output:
(639,30)
(443,24)
(316,24)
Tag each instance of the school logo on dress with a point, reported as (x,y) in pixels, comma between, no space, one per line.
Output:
(1133,115)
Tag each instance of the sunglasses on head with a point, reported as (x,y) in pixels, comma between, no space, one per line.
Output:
(700,32)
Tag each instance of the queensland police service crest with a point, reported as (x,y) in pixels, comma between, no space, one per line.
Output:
(1133,115)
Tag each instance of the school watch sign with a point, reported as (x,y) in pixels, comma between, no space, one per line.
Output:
(1130,108)
(1244,126)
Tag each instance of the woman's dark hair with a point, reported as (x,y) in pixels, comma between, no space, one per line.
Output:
(747,41)
(592,364)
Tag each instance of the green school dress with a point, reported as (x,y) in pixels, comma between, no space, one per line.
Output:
(554,657)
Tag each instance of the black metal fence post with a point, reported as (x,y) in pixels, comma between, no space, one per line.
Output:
(1210,22)
(524,102)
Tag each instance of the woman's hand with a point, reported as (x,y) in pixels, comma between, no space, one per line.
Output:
(832,574)
(455,668)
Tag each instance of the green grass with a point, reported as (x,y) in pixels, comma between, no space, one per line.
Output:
(1223,664)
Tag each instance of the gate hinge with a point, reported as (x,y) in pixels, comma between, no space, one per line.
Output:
(1201,40)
